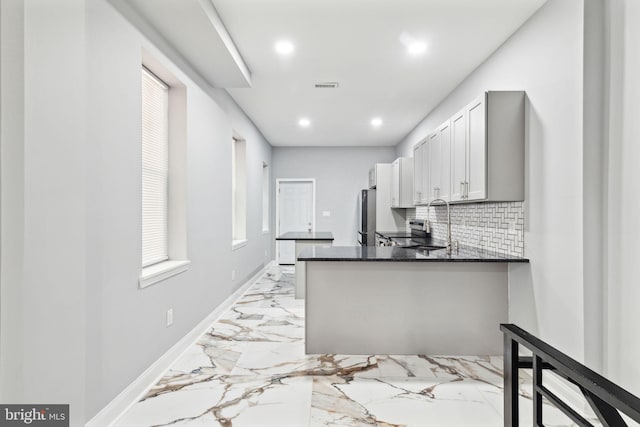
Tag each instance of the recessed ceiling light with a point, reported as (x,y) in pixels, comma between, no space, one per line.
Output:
(376,122)
(284,47)
(304,122)
(417,48)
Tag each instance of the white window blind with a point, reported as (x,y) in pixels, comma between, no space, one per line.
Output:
(155,169)
(239,189)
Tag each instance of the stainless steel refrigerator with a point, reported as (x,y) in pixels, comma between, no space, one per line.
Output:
(367,230)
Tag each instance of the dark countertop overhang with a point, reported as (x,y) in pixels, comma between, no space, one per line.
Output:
(302,235)
(398,254)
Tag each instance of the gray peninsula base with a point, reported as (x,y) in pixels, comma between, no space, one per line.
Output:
(405,307)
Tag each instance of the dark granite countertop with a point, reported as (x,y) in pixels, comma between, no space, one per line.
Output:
(398,254)
(302,235)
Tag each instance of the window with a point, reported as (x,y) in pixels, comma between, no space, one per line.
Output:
(155,169)
(265,197)
(164,243)
(239,192)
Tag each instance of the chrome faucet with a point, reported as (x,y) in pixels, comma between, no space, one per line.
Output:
(427,226)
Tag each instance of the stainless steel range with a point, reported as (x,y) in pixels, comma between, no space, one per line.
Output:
(419,238)
(419,234)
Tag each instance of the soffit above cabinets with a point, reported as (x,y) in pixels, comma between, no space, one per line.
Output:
(194,29)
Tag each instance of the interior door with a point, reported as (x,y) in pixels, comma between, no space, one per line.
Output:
(295,213)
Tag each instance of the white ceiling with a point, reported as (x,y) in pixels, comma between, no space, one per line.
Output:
(359,44)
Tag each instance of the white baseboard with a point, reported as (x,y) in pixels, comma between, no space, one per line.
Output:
(139,387)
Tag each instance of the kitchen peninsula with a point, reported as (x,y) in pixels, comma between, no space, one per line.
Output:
(392,300)
(305,240)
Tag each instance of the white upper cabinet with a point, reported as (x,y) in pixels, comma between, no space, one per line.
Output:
(434,168)
(478,155)
(445,141)
(469,155)
(402,183)
(476,183)
(487,156)
(458,155)
(417,173)
(439,164)
(421,183)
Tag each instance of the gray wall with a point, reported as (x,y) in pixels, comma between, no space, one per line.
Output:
(623,188)
(544,58)
(87,329)
(340,173)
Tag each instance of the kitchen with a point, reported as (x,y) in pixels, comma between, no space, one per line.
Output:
(574,62)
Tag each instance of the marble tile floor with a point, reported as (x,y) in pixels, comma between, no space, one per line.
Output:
(250,369)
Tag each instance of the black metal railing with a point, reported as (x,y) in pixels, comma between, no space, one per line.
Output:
(605,398)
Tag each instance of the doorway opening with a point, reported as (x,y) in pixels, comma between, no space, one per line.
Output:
(295,211)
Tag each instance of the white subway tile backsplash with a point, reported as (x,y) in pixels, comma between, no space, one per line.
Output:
(497,227)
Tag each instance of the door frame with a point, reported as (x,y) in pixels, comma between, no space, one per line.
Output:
(313,215)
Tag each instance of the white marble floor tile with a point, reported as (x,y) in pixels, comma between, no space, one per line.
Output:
(399,402)
(225,401)
(250,369)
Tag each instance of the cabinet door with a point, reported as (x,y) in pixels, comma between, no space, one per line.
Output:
(406,182)
(445,152)
(435,166)
(458,155)
(395,184)
(426,183)
(476,188)
(417,173)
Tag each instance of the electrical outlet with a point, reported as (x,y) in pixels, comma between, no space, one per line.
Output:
(170,317)
(265,253)
(233,275)
(512,227)
(326,213)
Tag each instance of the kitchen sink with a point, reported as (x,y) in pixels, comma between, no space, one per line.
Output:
(424,247)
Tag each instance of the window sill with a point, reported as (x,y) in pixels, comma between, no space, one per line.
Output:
(237,244)
(161,271)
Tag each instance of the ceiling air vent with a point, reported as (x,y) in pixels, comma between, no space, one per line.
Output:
(327,85)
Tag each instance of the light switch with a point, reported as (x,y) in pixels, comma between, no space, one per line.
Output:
(326,213)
